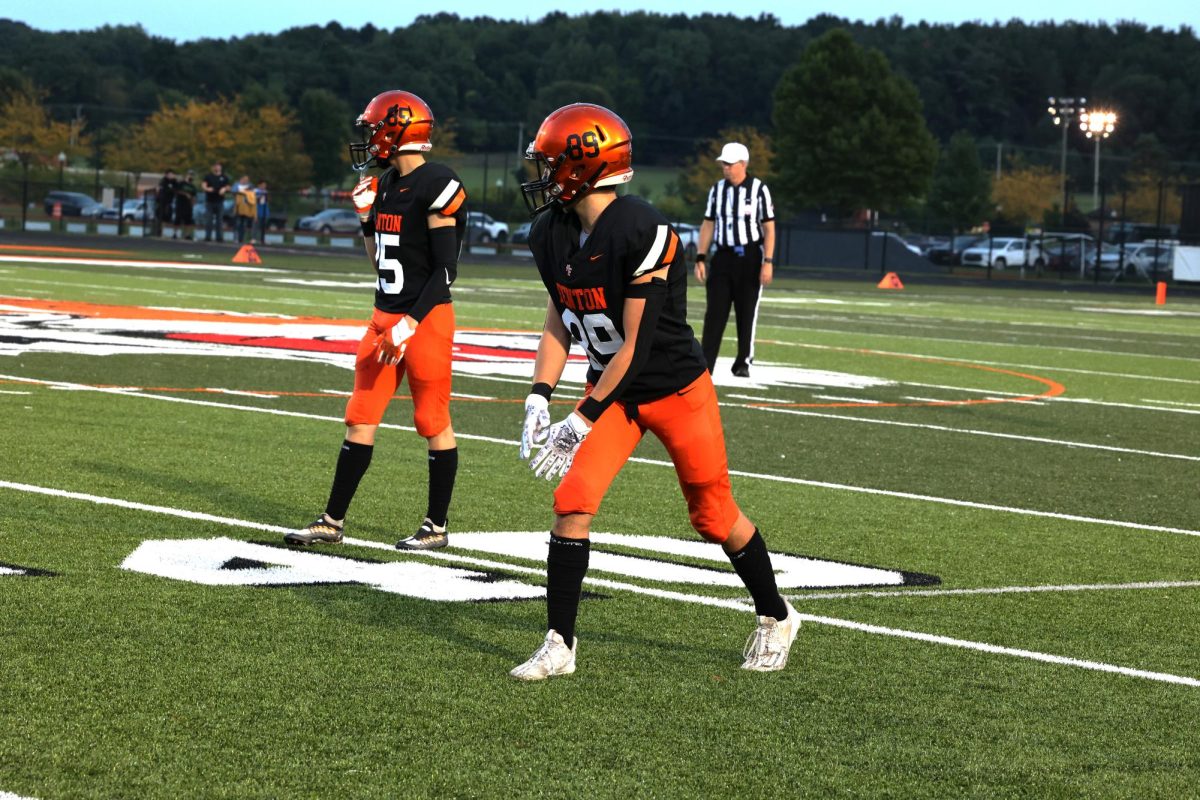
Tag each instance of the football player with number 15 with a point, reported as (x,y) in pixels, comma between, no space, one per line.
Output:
(617,282)
(413,221)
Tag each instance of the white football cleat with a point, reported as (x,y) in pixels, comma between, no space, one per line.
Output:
(768,647)
(552,658)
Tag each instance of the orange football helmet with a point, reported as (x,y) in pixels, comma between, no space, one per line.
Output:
(578,148)
(393,122)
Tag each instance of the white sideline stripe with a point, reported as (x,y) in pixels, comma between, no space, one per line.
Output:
(984,647)
(1062,399)
(862,400)
(753,399)
(471,396)
(973,342)
(1066,587)
(1171,403)
(11,796)
(191,266)
(662,593)
(653,462)
(812,346)
(6,391)
(969,431)
(264,395)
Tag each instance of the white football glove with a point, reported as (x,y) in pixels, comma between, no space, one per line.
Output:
(562,442)
(537,424)
(364,197)
(393,342)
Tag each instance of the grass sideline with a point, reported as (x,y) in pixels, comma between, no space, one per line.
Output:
(121,683)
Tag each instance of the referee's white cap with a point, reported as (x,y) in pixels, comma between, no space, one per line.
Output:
(734,152)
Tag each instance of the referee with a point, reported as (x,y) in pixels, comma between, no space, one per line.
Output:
(740,219)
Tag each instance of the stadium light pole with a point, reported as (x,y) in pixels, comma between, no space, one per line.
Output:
(1063,109)
(62,162)
(1097,125)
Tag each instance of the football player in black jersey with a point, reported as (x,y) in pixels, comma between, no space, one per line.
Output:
(413,222)
(618,288)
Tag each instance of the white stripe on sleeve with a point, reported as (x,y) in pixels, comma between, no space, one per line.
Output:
(446,195)
(656,254)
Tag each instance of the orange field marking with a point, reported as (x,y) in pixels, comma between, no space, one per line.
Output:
(1053,388)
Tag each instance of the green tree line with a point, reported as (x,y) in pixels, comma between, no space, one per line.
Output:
(675,78)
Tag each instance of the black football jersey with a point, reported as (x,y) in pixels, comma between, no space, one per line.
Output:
(403,258)
(587,282)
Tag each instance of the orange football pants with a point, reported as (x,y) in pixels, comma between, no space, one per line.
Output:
(426,363)
(688,423)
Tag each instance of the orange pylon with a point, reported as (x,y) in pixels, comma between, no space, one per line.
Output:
(890,281)
(246,254)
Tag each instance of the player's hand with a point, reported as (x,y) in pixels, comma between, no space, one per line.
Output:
(562,442)
(700,271)
(364,196)
(394,341)
(537,424)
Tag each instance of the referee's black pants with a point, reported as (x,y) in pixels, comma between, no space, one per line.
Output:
(732,280)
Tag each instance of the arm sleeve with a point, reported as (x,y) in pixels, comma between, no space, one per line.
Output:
(443,242)
(448,197)
(766,209)
(655,248)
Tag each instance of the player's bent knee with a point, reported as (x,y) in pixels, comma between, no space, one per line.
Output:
(711,509)
(431,423)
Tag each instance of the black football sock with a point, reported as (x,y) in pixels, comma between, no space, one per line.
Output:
(352,464)
(753,565)
(443,466)
(566,564)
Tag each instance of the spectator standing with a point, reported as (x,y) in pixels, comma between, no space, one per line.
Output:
(262,210)
(164,200)
(244,209)
(215,185)
(185,199)
(740,218)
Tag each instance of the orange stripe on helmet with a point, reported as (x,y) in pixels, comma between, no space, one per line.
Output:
(453,205)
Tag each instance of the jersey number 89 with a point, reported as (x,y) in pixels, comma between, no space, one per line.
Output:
(597,335)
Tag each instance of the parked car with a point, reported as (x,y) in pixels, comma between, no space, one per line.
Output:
(521,234)
(482,229)
(131,210)
(1146,256)
(1110,258)
(1004,252)
(899,240)
(951,251)
(72,204)
(924,244)
(1064,251)
(331,220)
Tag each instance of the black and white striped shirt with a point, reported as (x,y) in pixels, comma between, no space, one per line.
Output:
(738,212)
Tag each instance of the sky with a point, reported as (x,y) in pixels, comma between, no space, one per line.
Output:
(222,19)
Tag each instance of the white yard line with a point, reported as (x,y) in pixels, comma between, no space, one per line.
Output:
(967,431)
(1066,587)
(979,343)
(836,399)
(738,605)
(812,346)
(1171,403)
(1063,399)
(653,462)
(191,266)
